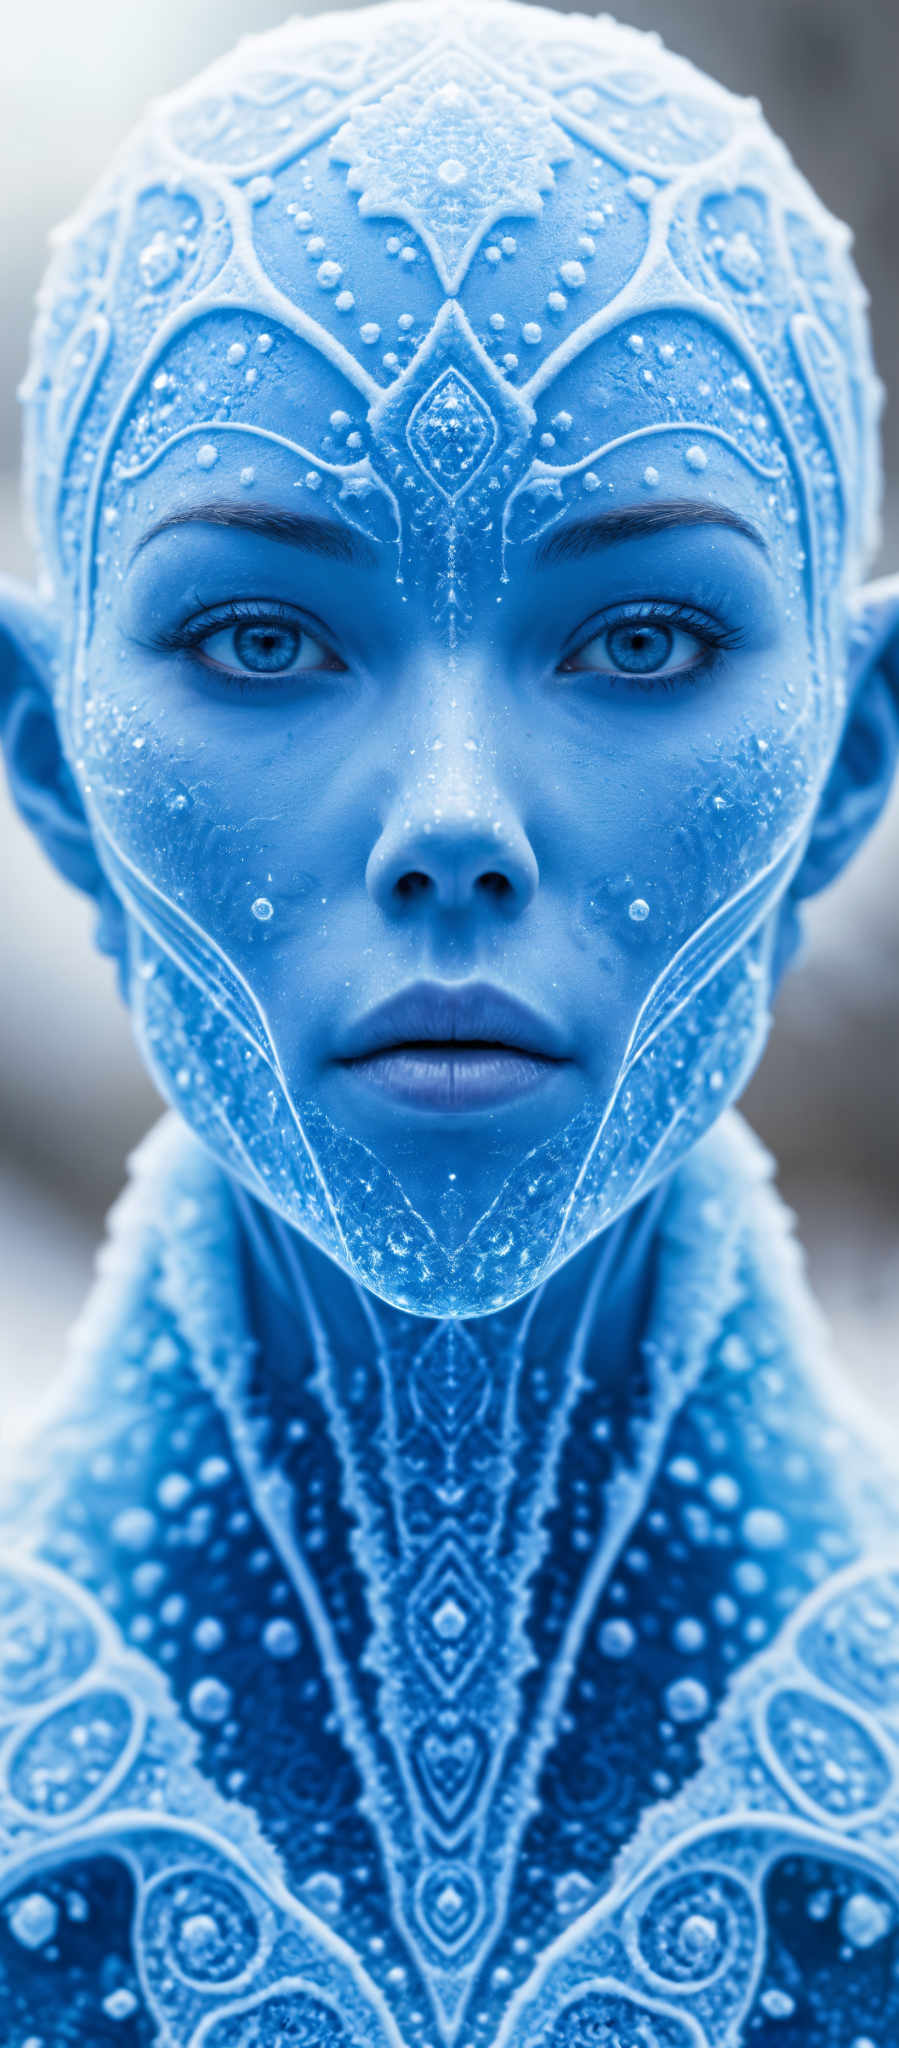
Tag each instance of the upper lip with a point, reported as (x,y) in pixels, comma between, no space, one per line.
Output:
(473,1012)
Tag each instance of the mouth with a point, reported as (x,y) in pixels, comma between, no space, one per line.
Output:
(452,1049)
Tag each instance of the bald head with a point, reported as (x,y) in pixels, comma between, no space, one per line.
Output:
(463,244)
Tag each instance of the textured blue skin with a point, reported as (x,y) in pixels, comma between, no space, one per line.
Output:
(431,1484)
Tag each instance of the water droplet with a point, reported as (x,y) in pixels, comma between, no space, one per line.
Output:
(328,275)
(452,171)
(777,2004)
(33,1920)
(572,1892)
(247,477)
(688,1634)
(696,457)
(684,1471)
(638,911)
(209,1634)
(213,1471)
(650,475)
(209,1700)
(259,189)
(864,1920)
(686,1699)
(134,1528)
(280,1638)
(120,2004)
(531,332)
(635,344)
(764,1529)
(617,1637)
(573,275)
(370,332)
(207,455)
(262,909)
(344,302)
(323,1891)
(237,351)
(174,1490)
(723,1490)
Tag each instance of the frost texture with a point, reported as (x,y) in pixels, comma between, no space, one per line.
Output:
(451,153)
(449,1692)
(433,170)
(445,1692)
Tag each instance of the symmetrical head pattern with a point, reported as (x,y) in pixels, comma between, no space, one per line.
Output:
(478,195)
(448,267)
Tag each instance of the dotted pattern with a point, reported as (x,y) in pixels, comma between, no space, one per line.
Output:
(347,1711)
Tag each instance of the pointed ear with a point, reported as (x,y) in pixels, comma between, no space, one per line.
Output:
(41,783)
(859,781)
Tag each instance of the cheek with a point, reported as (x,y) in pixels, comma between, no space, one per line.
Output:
(206,810)
(687,822)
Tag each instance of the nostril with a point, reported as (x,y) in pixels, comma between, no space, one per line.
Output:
(412,883)
(495,884)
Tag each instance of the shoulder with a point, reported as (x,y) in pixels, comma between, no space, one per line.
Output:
(769,1886)
(164,1315)
(743,1273)
(130,1889)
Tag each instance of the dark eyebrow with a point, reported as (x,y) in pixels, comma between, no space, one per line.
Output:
(300,529)
(603,529)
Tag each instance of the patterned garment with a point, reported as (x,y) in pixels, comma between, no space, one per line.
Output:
(424,1694)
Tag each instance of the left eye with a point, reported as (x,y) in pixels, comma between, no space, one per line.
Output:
(266,647)
(641,648)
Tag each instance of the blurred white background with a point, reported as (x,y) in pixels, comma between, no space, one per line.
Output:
(73,1099)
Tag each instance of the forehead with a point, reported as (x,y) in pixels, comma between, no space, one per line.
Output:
(453,287)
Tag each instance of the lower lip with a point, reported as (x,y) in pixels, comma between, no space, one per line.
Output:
(453,1079)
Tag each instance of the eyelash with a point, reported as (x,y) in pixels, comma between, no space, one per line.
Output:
(718,639)
(241,612)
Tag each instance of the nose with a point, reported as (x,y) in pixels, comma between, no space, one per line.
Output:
(453,861)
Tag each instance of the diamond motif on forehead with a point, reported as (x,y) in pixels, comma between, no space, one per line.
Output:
(451,432)
(451,151)
(451,409)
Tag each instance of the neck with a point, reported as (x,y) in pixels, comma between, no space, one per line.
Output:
(608,1283)
(445,1443)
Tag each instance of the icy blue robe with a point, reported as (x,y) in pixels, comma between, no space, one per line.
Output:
(419,1699)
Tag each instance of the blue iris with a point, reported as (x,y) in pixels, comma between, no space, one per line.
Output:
(638,649)
(266,646)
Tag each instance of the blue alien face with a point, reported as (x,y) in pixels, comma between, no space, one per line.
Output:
(450,440)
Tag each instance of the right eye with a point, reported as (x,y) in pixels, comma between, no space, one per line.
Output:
(258,644)
(266,647)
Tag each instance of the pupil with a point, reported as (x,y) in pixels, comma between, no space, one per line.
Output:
(270,648)
(639,649)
